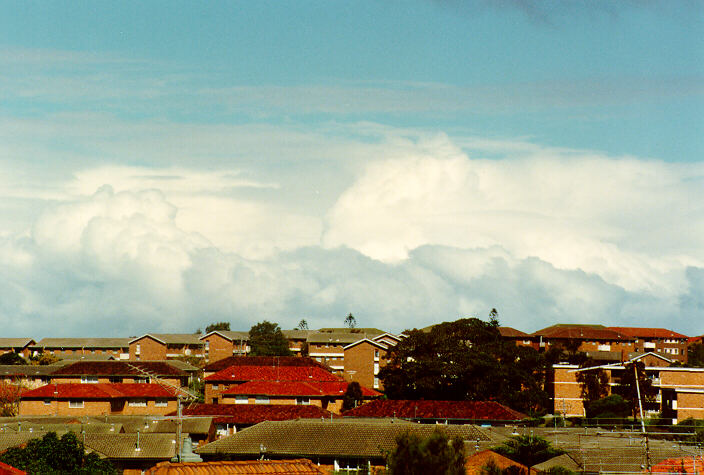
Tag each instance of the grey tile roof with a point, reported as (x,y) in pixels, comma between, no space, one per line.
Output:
(26,370)
(15,342)
(174,338)
(338,338)
(313,438)
(124,446)
(231,335)
(78,343)
(192,425)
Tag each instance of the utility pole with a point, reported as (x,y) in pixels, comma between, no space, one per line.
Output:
(642,421)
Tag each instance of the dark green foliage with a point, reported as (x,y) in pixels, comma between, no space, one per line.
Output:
(266,339)
(689,426)
(434,455)
(610,407)
(350,321)
(352,397)
(302,325)
(627,386)
(57,456)
(595,383)
(11,358)
(490,468)
(466,360)
(695,355)
(225,326)
(559,471)
(527,450)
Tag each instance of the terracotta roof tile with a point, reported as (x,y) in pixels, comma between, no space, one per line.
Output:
(581,332)
(474,463)
(640,332)
(97,391)
(119,368)
(468,410)
(261,361)
(302,467)
(509,332)
(273,373)
(255,413)
(295,388)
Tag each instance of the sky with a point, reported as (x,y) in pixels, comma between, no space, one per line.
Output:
(165,165)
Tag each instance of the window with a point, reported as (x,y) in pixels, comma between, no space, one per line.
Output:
(261,400)
(89,379)
(376,355)
(47,402)
(376,368)
(161,402)
(376,382)
(141,380)
(215,387)
(241,400)
(207,346)
(138,349)
(303,401)
(75,404)
(115,379)
(141,402)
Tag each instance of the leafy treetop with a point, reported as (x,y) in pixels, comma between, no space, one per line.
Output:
(350,321)
(57,456)
(225,326)
(414,455)
(528,450)
(466,360)
(266,339)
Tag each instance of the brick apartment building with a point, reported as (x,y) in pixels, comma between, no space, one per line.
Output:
(220,344)
(680,389)
(163,346)
(118,348)
(21,346)
(89,372)
(97,399)
(659,340)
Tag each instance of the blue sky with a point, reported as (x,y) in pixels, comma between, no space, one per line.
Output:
(168,164)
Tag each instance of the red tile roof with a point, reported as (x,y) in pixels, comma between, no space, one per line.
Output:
(261,361)
(121,368)
(292,467)
(639,332)
(581,332)
(479,410)
(6,469)
(98,391)
(255,413)
(680,465)
(270,373)
(295,388)
(509,332)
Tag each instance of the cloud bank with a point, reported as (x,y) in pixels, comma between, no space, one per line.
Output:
(422,233)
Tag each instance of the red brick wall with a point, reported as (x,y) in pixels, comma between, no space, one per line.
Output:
(359,364)
(149,349)
(218,347)
(92,408)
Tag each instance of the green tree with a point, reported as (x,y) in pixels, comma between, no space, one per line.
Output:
(610,407)
(266,339)
(302,325)
(225,326)
(528,450)
(352,396)
(57,456)
(11,358)
(695,355)
(466,360)
(594,382)
(437,454)
(628,389)
(350,321)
